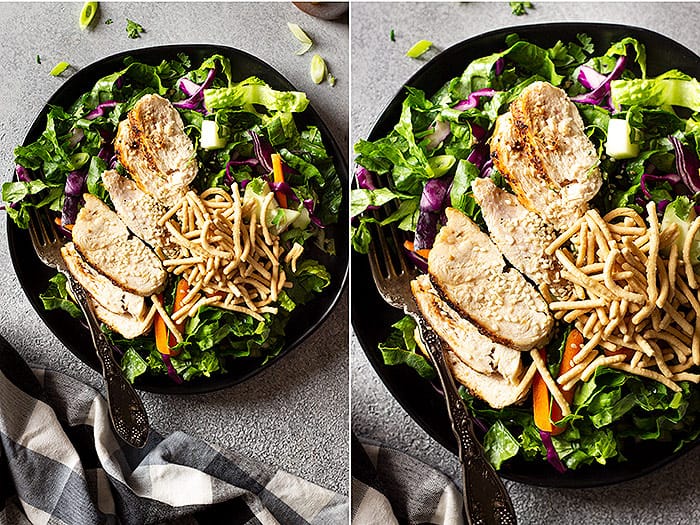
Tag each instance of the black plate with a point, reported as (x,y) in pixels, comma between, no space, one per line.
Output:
(33,275)
(371,316)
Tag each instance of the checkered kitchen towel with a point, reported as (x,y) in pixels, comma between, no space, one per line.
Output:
(60,463)
(390,487)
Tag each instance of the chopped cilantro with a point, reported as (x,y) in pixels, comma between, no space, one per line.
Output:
(134,29)
(38,59)
(520,8)
(109,21)
(392,35)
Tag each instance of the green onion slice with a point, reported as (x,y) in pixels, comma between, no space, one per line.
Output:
(419,48)
(302,37)
(318,69)
(59,68)
(87,15)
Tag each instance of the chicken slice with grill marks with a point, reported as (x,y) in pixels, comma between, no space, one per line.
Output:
(541,148)
(470,274)
(106,244)
(476,350)
(521,236)
(140,212)
(152,145)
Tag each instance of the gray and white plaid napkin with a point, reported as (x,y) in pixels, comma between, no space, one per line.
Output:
(390,487)
(60,463)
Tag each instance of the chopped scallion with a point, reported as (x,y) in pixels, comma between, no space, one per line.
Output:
(59,68)
(301,36)
(87,15)
(419,48)
(318,69)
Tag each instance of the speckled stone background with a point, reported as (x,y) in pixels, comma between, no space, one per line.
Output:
(379,68)
(294,414)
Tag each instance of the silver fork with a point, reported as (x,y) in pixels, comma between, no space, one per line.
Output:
(126,409)
(486,500)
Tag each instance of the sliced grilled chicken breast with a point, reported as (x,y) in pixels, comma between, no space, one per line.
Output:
(475,349)
(541,148)
(127,325)
(107,245)
(152,145)
(494,389)
(470,274)
(102,289)
(521,236)
(140,212)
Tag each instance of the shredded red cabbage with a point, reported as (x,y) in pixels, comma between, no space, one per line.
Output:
(285,189)
(478,132)
(600,96)
(310,206)
(365,178)
(194,92)
(263,151)
(552,456)
(479,155)
(172,373)
(101,109)
(589,77)
(228,178)
(441,130)
(687,165)
(74,188)
(499,66)
(473,99)
(432,203)
(486,168)
(672,178)
(22,174)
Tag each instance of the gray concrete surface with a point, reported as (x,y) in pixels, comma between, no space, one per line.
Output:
(294,414)
(379,67)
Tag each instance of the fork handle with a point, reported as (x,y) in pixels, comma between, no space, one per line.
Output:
(126,409)
(486,500)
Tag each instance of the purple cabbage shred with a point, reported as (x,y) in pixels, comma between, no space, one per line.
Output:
(473,99)
(672,178)
(600,95)
(22,174)
(263,151)
(285,189)
(365,178)
(432,204)
(101,109)
(194,92)
(74,188)
(552,456)
(310,206)
(499,66)
(687,165)
(172,373)
(479,155)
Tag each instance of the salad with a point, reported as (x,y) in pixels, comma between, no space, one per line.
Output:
(581,397)
(251,168)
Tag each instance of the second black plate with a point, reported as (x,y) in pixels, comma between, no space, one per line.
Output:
(372,317)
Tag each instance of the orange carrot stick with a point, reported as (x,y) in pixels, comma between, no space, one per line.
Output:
(164,339)
(544,415)
(278,175)
(424,252)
